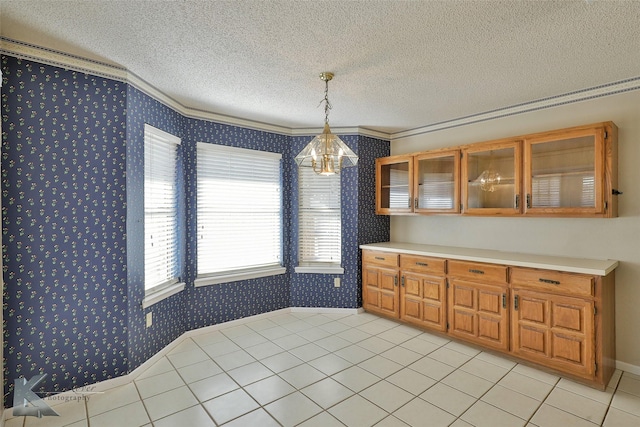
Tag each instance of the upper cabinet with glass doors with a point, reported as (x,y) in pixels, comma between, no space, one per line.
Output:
(424,183)
(491,178)
(570,172)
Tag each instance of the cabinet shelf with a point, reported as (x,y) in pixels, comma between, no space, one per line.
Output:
(562,174)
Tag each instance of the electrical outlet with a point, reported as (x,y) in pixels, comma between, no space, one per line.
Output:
(336,282)
(149,319)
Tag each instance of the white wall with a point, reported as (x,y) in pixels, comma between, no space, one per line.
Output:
(617,238)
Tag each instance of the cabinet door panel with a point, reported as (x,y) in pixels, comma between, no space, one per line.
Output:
(463,296)
(490,328)
(569,348)
(463,322)
(432,290)
(388,280)
(555,331)
(489,302)
(388,302)
(412,309)
(422,299)
(533,339)
(533,310)
(477,313)
(568,317)
(433,314)
(372,297)
(412,286)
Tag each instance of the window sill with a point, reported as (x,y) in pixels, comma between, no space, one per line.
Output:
(319,269)
(164,293)
(239,275)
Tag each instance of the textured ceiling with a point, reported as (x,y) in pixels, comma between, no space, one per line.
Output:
(398,64)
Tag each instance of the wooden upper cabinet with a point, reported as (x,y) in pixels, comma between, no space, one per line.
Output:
(571,172)
(394,185)
(491,178)
(436,184)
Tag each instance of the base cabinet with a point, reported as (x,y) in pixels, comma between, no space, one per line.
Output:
(423,292)
(380,284)
(558,320)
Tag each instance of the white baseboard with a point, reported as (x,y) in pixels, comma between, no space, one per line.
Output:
(327,310)
(628,367)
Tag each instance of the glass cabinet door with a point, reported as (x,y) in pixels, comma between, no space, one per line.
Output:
(491,175)
(436,182)
(394,184)
(564,172)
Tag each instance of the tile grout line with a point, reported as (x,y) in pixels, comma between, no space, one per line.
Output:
(615,389)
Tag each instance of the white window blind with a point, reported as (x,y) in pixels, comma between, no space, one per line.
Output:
(437,191)
(160,208)
(319,227)
(239,209)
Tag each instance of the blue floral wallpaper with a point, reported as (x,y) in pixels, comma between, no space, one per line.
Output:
(63,225)
(73,236)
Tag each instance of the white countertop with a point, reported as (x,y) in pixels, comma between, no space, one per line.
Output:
(571,265)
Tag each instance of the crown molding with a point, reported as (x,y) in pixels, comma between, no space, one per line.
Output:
(114,72)
(60,59)
(608,89)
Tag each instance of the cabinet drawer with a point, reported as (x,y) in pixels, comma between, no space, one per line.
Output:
(387,259)
(553,281)
(422,264)
(489,273)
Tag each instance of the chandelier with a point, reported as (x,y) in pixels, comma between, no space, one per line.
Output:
(327,154)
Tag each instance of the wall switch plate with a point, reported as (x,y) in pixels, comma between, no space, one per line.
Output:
(149,318)
(336,282)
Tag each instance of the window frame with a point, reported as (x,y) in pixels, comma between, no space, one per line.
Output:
(173,285)
(250,271)
(333,189)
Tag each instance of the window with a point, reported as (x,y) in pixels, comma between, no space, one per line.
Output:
(239,214)
(161,257)
(319,225)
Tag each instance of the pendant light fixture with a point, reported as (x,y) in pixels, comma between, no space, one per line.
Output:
(327,154)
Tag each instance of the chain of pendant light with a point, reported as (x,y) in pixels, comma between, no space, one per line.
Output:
(327,104)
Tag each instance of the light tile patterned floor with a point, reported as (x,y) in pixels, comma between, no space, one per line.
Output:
(358,370)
